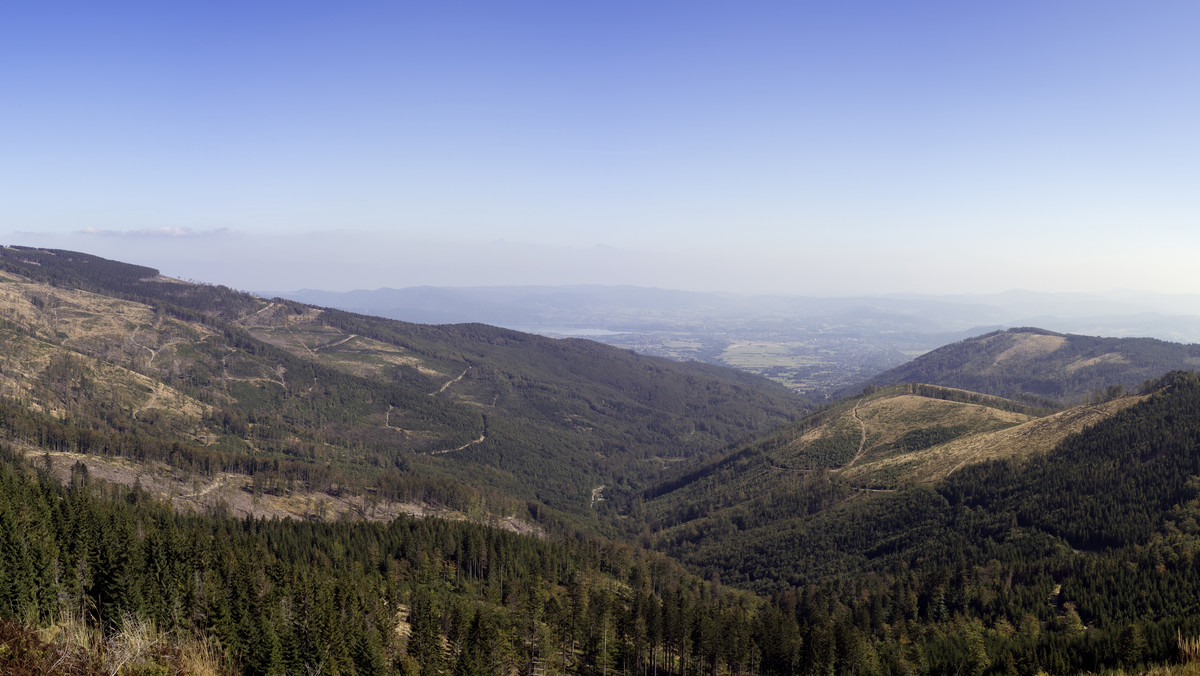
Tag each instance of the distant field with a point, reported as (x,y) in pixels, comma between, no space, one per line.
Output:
(814,366)
(799,366)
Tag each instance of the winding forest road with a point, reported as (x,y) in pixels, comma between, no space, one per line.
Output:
(449,383)
(480,440)
(204,491)
(334,344)
(862,442)
(387,421)
(150,403)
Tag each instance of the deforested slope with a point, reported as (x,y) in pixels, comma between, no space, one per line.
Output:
(115,359)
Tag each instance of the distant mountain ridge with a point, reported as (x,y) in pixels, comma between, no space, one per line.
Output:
(1040,364)
(819,347)
(909,528)
(217,380)
(1123,314)
(509,306)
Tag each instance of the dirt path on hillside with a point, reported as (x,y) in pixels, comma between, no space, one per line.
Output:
(311,388)
(449,383)
(301,342)
(596,496)
(480,440)
(387,422)
(862,442)
(862,446)
(149,403)
(958,466)
(252,315)
(153,352)
(343,341)
(204,491)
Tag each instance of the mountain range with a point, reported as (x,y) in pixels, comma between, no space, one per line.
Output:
(241,381)
(817,346)
(188,465)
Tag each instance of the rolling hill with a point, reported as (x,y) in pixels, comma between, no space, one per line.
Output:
(110,359)
(876,445)
(913,528)
(1038,365)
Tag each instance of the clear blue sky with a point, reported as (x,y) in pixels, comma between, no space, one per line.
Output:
(794,147)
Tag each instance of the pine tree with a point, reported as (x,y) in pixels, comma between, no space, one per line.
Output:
(264,654)
(368,654)
(425,641)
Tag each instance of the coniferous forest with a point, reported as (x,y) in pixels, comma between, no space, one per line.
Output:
(411,596)
(654,542)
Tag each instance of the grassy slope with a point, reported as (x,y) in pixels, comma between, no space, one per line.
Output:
(1035,435)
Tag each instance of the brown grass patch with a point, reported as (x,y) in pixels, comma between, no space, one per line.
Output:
(72,648)
(1110,358)
(85,320)
(304,337)
(1035,436)
(889,419)
(1028,346)
(115,341)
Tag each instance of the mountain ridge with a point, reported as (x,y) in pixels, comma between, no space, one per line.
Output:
(323,391)
(1036,364)
(902,439)
(817,346)
(913,528)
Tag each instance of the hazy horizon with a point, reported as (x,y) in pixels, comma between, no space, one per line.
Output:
(341,263)
(779,148)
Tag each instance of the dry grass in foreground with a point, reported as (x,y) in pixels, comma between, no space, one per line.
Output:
(71,648)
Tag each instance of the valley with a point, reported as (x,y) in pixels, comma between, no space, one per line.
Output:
(820,347)
(282,488)
(813,346)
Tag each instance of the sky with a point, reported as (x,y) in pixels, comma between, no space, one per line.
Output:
(807,148)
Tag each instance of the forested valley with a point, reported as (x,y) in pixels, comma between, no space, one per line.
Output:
(598,512)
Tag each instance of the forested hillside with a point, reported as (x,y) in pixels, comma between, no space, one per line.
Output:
(873,443)
(1075,560)
(679,518)
(1042,366)
(110,359)
(1080,559)
(122,581)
